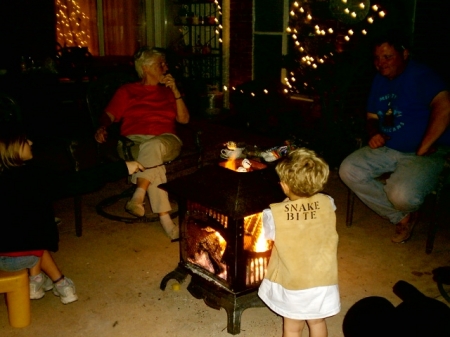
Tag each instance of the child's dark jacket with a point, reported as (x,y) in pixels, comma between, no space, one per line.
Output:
(27,220)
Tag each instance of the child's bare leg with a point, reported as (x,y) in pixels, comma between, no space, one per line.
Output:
(317,327)
(292,327)
(47,265)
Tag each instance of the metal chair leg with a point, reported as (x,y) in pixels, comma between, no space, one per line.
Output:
(434,225)
(350,205)
(78,219)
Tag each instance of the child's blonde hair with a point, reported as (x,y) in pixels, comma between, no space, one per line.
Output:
(303,172)
(12,139)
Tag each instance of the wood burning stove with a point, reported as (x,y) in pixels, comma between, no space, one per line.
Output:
(221,241)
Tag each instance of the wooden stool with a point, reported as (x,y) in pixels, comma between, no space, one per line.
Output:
(16,287)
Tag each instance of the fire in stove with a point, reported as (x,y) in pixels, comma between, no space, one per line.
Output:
(222,244)
(206,247)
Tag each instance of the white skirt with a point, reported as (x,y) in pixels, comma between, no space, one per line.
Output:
(313,303)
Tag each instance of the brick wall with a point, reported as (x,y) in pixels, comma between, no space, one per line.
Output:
(241,41)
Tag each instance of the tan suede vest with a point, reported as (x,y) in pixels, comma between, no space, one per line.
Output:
(304,254)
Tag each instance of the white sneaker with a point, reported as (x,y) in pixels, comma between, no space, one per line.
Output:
(172,230)
(39,284)
(65,290)
(135,208)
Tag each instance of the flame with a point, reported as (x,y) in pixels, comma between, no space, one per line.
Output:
(260,244)
(229,164)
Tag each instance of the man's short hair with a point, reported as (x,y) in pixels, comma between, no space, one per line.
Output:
(145,56)
(395,38)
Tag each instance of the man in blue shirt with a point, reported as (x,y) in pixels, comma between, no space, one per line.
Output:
(407,119)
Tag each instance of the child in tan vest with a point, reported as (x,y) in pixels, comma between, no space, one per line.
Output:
(301,279)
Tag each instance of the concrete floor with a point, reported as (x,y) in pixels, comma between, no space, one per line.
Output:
(117,269)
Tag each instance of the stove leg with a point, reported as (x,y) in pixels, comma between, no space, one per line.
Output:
(234,310)
(216,298)
(180,273)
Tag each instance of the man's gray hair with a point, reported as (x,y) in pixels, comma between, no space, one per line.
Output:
(145,56)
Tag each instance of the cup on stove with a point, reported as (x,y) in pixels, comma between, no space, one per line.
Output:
(231,154)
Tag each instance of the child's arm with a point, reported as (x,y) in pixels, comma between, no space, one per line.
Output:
(332,202)
(268,224)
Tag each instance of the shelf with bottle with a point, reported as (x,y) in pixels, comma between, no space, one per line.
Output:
(189,2)
(195,14)
(199,42)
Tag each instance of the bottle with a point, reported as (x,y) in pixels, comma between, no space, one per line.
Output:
(182,15)
(206,50)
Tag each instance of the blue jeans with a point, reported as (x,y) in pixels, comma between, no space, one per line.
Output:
(8,263)
(412,179)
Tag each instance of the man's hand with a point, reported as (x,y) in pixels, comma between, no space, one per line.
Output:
(134,167)
(169,82)
(101,135)
(378,140)
(422,151)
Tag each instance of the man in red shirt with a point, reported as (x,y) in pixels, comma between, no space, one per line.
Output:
(148,111)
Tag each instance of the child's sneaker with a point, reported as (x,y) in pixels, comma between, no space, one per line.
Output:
(66,290)
(39,284)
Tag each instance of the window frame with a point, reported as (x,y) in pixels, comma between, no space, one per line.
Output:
(284,36)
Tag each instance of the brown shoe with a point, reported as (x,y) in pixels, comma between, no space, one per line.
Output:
(403,230)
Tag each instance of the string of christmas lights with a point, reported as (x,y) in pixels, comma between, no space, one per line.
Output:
(319,33)
(318,39)
(72,28)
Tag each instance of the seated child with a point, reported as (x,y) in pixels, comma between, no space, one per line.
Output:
(301,279)
(28,229)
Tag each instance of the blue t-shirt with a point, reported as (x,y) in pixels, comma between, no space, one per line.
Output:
(409,95)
